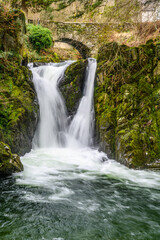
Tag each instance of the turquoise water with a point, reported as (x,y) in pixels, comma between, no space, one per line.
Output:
(66,194)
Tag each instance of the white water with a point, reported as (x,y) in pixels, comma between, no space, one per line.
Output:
(56,170)
(53,130)
(53,118)
(60,151)
(81,127)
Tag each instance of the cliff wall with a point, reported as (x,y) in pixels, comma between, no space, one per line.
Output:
(18,106)
(127,103)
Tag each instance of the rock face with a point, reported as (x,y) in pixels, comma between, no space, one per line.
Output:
(18,108)
(9,163)
(18,103)
(71,86)
(127,103)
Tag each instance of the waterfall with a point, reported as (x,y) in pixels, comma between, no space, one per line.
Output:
(81,126)
(52,130)
(53,117)
(65,185)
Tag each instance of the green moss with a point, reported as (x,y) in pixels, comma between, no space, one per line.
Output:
(9,163)
(71,87)
(127,101)
(18,109)
(16,100)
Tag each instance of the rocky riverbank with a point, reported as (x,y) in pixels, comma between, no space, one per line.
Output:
(127,103)
(18,105)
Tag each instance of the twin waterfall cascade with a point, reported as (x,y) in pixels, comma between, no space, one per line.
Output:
(67,191)
(53,129)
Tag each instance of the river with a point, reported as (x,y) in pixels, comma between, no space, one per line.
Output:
(67,191)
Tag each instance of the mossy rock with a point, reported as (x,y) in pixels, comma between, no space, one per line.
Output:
(19,110)
(127,103)
(71,86)
(9,163)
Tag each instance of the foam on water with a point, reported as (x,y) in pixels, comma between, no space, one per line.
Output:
(62,152)
(67,191)
(50,168)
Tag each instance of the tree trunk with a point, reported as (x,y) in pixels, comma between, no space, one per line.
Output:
(25,9)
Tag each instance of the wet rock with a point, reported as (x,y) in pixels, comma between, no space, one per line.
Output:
(38,64)
(153,166)
(104,159)
(71,86)
(9,163)
(127,103)
(19,111)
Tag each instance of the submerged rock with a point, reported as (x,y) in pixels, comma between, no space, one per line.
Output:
(9,163)
(104,159)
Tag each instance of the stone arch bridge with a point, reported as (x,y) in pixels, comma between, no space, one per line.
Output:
(85,37)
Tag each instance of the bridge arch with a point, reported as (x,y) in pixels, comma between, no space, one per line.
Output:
(82,48)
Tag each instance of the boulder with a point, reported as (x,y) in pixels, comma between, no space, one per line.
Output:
(71,86)
(9,163)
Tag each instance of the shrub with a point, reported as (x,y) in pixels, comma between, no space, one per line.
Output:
(39,37)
